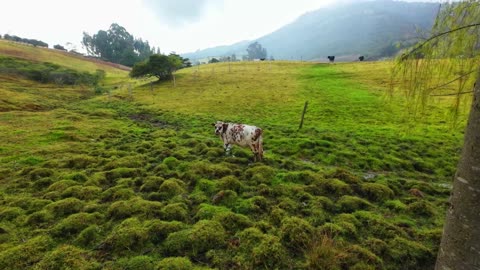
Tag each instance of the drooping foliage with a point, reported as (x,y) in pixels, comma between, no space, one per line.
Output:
(33,42)
(117,45)
(444,62)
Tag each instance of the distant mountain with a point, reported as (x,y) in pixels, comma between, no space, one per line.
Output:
(364,28)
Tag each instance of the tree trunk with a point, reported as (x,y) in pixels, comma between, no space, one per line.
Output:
(460,246)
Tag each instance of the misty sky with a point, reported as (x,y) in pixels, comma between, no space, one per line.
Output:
(173,25)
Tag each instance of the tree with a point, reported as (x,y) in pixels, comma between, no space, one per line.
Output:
(256,51)
(452,55)
(213,60)
(157,65)
(59,47)
(117,45)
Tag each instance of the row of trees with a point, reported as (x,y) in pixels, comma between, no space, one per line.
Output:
(33,42)
(117,45)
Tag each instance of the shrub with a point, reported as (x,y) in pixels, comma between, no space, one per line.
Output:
(67,257)
(296,233)
(377,192)
(325,253)
(175,263)
(351,203)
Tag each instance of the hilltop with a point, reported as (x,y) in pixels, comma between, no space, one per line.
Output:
(369,28)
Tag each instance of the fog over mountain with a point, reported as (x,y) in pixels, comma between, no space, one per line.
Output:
(364,28)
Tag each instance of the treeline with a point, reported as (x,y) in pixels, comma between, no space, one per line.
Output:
(33,42)
(48,72)
(117,45)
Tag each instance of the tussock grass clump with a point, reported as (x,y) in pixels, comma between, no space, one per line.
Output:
(10,213)
(296,233)
(208,211)
(151,183)
(409,254)
(66,207)
(260,174)
(233,222)
(75,223)
(253,205)
(79,162)
(395,205)
(24,255)
(128,237)
(135,207)
(68,257)
(421,208)
(376,191)
(62,185)
(175,263)
(158,230)
(203,169)
(136,263)
(89,237)
(171,187)
(352,203)
(175,211)
(330,187)
(230,182)
(39,173)
(202,237)
(83,193)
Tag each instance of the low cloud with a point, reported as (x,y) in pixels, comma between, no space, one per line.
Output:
(178,12)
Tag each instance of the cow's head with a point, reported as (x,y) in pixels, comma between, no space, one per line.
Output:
(220,127)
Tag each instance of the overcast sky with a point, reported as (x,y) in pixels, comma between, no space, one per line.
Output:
(173,25)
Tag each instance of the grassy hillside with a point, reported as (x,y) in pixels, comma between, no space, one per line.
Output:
(137,179)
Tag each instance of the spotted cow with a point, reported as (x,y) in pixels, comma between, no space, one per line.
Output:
(242,135)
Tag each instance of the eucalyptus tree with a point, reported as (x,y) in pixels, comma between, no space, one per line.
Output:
(450,59)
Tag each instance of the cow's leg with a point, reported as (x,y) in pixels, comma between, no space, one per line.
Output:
(254,148)
(228,149)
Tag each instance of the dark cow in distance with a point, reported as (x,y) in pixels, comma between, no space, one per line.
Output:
(361,58)
(331,58)
(242,135)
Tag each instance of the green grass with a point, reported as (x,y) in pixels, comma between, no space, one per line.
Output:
(138,180)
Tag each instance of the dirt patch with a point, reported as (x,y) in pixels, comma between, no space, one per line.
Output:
(148,119)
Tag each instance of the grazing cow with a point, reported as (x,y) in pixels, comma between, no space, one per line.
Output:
(331,58)
(242,135)
(361,58)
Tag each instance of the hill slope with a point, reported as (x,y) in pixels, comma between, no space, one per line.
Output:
(137,179)
(366,28)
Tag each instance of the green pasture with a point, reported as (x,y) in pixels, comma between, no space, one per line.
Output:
(135,178)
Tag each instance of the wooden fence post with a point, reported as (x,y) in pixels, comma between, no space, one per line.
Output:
(303,114)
